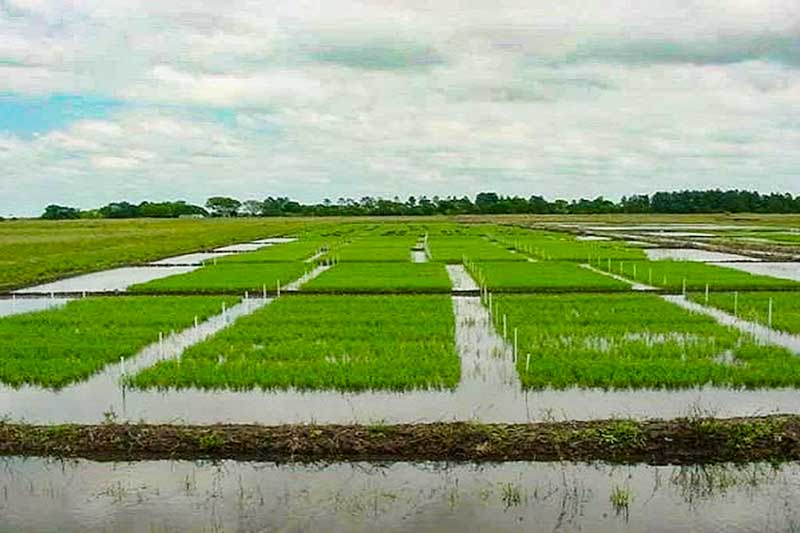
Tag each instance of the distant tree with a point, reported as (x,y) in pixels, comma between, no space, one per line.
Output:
(252,208)
(60,212)
(120,210)
(223,206)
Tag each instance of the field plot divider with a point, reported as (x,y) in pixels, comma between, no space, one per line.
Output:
(760,332)
(634,285)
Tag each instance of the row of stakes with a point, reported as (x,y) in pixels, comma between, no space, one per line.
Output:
(770,303)
(225,317)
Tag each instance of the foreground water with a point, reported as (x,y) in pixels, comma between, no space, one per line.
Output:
(78,495)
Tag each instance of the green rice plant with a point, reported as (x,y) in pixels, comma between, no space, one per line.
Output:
(453,249)
(555,246)
(381,277)
(370,249)
(541,276)
(324,342)
(754,307)
(634,340)
(234,278)
(674,275)
(56,347)
(299,250)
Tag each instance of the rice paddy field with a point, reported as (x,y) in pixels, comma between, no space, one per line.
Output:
(520,344)
(317,342)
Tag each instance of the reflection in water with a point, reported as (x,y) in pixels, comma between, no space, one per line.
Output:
(693,254)
(116,280)
(39,494)
(15,305)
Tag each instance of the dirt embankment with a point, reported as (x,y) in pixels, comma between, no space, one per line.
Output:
(774,438)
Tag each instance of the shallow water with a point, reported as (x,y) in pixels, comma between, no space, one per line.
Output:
(80,495)
(789,271)
(693,254)
(244,247)
(419,256)
(592,238)
(197,258)
(460,278)
(115,280)
(15,306)
(489,391)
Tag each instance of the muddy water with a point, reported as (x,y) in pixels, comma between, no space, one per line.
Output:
(761,333)
(118,279)
(15,306)
(592,238)
(789,271)
(692,254)
(44,495)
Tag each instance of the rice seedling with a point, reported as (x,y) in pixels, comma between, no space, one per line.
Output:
(233,278)
(692,276)
(633,341)
(59,346)
(552,246)
(542,276)
(453,249)
(382,277)
(755,307)
(324,342)
(370,249)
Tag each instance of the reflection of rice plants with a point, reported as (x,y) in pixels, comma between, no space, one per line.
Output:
(634,340)
(332,342)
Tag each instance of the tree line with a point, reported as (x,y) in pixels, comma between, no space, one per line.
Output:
(676,202)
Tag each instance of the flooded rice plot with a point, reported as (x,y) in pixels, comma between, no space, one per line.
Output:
(693,254)
(115,280)
(80,495)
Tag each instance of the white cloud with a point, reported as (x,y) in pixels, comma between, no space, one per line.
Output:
(346,97)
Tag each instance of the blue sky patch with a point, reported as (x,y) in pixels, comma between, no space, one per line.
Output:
(27,115)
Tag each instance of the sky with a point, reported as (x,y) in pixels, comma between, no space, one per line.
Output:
(108,100)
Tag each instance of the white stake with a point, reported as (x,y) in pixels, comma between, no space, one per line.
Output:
(769,314)
(527,362)
(505,326)
(246,295)
(122,365)
(264,287)
(684,286)
(196,321)
(736,303)
(278,287)
(706,293)
(161,344)
(490,304)
(515,345)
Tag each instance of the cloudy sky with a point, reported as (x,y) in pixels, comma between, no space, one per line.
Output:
(103,100)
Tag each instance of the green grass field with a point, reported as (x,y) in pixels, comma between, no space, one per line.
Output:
(382,277)
(324,342)
(57,347)
(38,251)
(635,341)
